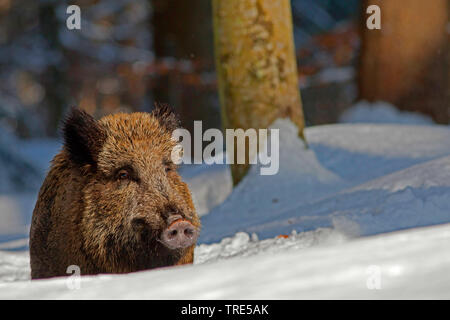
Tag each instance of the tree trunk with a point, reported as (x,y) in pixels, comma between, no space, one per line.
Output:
(406,62)
(256,66)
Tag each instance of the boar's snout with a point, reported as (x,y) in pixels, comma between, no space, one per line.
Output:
(179,234)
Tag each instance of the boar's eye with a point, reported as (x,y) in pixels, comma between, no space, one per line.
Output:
(125,173)
(169,166)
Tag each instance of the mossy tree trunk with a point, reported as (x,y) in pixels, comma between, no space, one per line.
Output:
(406,62)
(256,66)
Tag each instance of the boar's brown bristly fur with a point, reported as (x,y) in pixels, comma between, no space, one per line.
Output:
(166,116)
(107,197)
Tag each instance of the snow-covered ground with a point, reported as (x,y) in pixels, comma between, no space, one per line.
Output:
(382,112)
(348,207)
(409,264)
(361,179)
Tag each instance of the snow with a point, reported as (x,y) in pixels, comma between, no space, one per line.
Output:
(404,265)
(210,185)
(363,212)
(14,266)
(339,74)
(382,112)
(336,183)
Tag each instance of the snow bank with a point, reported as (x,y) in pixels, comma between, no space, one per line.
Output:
(210,185)
(243,245)
(382,112)
(334,183)
(14,266)
(410,264)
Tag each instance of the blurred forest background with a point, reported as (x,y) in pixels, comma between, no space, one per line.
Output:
(130,53)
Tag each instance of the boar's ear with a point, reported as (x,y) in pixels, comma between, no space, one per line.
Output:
(166,116)
(83,137)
